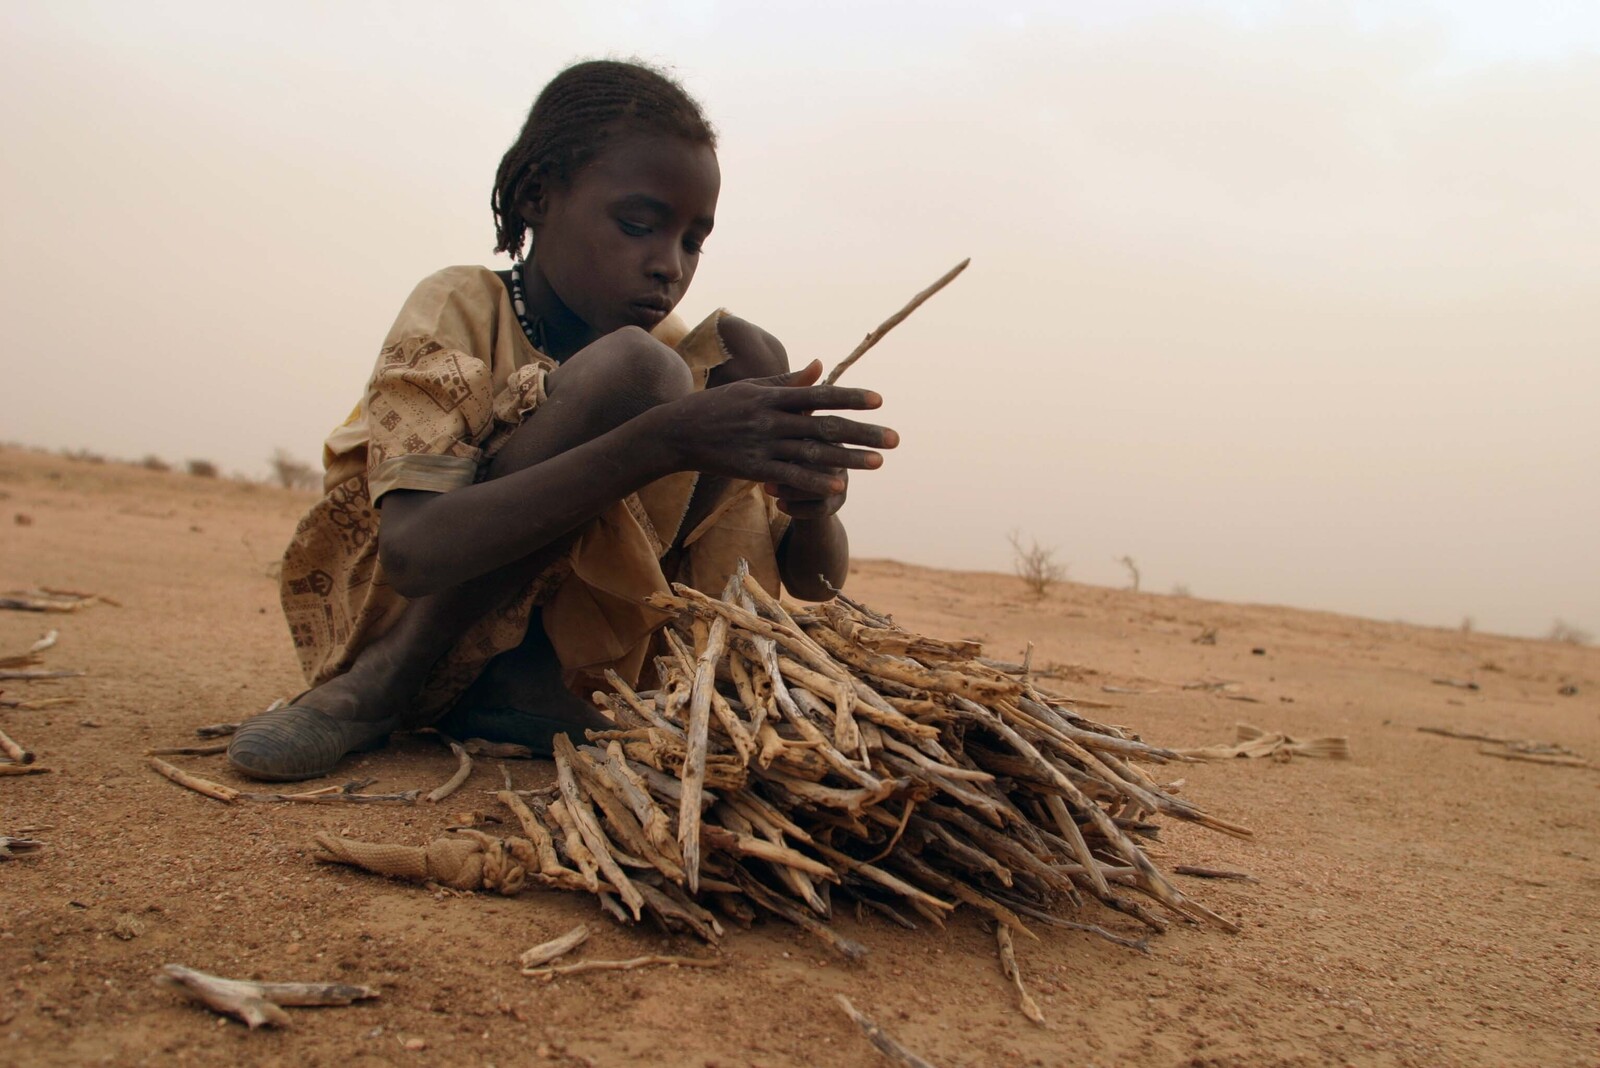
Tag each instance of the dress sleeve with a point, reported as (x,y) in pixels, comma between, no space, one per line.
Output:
(428,408)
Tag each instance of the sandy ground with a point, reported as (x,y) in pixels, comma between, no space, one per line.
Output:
(1421,904)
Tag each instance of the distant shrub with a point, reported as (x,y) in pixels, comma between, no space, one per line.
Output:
(1180,590)
(292,473)
(83,456)
(202,468)
(1562,631)
(1133,572)
(154,463)
(1035,564)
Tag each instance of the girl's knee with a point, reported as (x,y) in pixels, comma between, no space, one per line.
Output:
(627,367)
(752,352)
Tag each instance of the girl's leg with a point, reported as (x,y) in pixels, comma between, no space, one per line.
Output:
(599,388)
(752,353)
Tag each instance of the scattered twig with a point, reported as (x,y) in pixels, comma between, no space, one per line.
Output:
(1460,684)
(1556,759)
(450,785)
(885,1043)
(1008,964)
(13,750)
(39,604)
(18,847)
(893,321)
(77,595)
(550,971)
(545,952)
(30,656)
(1466,736)
(1214,873)
(216,730)
(36,674)
(225,794)
(257,1004)
(36,703)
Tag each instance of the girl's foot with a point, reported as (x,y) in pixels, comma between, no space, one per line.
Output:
(296,742)
(306,739)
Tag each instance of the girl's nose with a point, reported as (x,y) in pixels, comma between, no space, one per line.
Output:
(666,265)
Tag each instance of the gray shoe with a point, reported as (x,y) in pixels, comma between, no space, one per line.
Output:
(294,742)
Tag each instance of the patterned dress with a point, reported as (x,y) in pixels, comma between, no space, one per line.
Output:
(456,374)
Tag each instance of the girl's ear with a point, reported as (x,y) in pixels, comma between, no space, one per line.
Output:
(531,206)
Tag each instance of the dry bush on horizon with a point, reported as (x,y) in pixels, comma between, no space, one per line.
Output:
(201,468)
(1035,565)
(154,463)
(1562,631)
(1133,571)
(292,473)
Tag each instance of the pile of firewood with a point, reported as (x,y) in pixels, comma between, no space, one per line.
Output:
(791,757)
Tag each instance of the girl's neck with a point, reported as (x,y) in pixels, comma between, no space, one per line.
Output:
(564,333)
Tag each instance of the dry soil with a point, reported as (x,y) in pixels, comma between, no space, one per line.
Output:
(1420,904)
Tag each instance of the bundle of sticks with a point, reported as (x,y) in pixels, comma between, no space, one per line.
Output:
(786,757)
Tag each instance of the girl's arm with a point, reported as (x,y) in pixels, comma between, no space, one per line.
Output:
(814,558)
(758,430)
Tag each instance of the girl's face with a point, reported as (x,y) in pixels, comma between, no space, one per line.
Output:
(619,244)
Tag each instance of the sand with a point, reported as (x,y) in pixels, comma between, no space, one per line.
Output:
(1420,904)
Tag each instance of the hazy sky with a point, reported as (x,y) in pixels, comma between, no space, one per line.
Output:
(1295,303)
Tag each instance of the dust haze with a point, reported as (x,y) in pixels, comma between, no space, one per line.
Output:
(1292,303)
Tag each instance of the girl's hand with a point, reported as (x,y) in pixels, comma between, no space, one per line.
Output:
(763,430)
(803,504)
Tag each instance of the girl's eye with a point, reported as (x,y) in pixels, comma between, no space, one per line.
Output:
(633,229)
(693,248)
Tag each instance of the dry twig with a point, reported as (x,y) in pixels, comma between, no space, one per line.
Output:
(18,847)
(452,784)
(579,967)
(545,952)
(257,1004)
(16,752)
(885,1042)
(1008,964)
(893,321)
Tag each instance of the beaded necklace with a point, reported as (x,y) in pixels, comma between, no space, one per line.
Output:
(532,329)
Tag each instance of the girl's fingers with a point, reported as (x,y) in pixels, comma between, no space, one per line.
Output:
(837,430)
(800,377)
(806,480)
(814,453)
(811,398)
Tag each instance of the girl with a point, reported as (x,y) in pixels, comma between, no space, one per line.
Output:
(540,449)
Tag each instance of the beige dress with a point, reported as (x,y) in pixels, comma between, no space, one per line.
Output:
(455,376)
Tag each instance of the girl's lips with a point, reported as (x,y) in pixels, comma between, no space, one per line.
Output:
(650,311)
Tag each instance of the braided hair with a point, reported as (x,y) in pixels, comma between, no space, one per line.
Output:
(573,119)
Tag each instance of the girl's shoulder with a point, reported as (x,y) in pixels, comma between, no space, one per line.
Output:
(467,284)
(453,305)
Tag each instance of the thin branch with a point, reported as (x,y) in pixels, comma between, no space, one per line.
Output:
(893,321)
